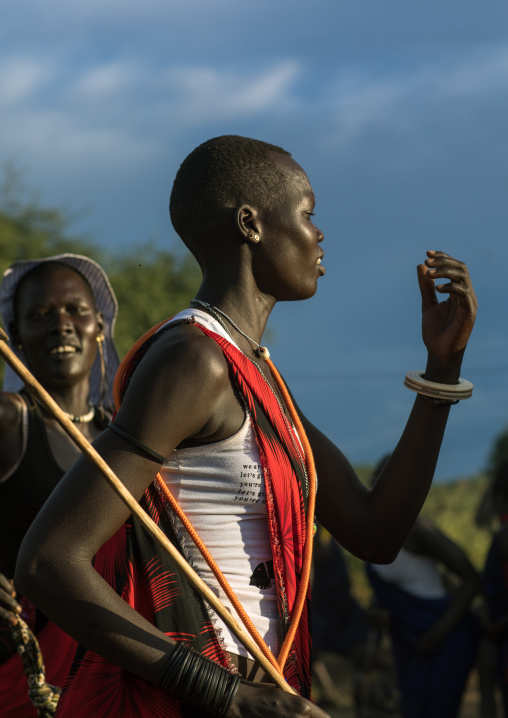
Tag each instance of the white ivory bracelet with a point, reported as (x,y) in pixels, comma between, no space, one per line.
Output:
(445,393)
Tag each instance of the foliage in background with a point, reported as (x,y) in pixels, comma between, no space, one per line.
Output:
(29,230)
(151,284)
(452,507)
(499,451)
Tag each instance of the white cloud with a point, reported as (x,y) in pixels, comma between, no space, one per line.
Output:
(124,113)
(123,11)
(59,139)
(364,102)
(105,80)
(205,94)
(484,74)
(127,111)
(20,78)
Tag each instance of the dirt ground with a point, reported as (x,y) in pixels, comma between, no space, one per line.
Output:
(369,687)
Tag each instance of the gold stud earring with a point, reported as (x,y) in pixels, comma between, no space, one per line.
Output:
(254,237)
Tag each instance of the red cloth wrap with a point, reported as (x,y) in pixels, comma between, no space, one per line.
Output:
(142,574)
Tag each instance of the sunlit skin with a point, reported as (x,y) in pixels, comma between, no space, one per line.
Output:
(57,325)
(289,264)
(182,393)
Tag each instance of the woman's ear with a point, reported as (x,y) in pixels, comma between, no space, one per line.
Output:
(100,321)
(247,219)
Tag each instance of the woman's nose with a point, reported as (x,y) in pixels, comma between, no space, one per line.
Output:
(61,322)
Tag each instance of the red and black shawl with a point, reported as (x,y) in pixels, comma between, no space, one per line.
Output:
(144,576)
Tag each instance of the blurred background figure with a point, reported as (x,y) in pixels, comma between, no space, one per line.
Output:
(427,592)
(495,579)
(59,313)
(339,623)
(343,628)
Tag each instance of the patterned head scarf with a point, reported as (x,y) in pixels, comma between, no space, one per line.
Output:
(105,301)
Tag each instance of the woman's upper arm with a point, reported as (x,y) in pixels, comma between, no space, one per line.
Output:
(341,496)
(164,404)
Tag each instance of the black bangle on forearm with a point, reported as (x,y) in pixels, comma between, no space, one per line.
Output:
(198,682)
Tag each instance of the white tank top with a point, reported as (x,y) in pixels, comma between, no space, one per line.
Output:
(220,487)
(417,575)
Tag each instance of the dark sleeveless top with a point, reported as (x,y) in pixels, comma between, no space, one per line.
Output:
(22,496)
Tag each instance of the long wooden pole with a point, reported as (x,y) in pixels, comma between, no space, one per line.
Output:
(42,395)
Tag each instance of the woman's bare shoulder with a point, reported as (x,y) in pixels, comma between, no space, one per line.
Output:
(183,351)
(10,412)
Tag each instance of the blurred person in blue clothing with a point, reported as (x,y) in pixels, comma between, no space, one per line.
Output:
(434,634)
(495,581)
(339,623)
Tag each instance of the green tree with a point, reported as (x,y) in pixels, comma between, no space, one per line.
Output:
(151,284)
(499,451)
(28,229)
(485,513)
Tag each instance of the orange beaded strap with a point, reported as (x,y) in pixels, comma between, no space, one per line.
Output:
(311,506)
(221,579)
(235,601)
(307,556)
(118,381)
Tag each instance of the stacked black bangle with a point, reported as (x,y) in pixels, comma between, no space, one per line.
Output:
(198,682)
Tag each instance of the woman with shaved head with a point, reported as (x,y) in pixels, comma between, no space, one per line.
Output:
(207,433)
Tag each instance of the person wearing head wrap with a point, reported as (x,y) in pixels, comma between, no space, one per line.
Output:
(59,313)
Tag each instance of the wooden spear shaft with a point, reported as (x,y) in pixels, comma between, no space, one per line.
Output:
(42,395)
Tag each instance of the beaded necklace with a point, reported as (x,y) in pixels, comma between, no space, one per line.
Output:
(77,418)
(82,418)
(261,352)
(213,311)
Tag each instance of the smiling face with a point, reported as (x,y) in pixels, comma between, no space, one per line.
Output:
(287,260)
(57,325)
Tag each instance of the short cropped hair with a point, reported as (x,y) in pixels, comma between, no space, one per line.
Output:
(223,172)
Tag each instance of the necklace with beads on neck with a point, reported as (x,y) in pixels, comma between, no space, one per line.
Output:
(81,418)
(215,312)
(77,418)
(260,352)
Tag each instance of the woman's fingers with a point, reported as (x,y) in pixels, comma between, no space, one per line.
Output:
(442,266)
(9,607)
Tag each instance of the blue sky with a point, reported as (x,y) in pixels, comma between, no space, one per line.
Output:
(398,112)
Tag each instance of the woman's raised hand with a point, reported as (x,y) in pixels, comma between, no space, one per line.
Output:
(446,326)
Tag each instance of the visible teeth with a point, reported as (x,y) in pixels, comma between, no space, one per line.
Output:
(318,261)
(63,350)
